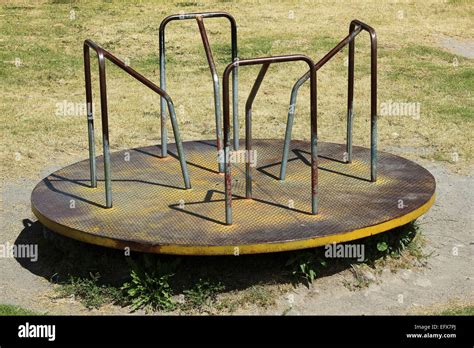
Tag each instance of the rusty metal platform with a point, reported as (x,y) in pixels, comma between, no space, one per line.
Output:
(153,212)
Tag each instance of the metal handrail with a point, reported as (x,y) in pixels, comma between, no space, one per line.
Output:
(266,61)
(102,54)
(355,28)
(215,79)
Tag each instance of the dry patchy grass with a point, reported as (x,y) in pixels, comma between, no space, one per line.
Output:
(412,68)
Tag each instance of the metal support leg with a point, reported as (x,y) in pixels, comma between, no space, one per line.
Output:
(314,141)
(289,128)
(373,105)
(350,99)
(164,131)
(105,130)
(235,100)
(90,117)
(179,145)
(314,172)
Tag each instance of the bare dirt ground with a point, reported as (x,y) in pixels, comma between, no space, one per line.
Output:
(448,276)
(463,48)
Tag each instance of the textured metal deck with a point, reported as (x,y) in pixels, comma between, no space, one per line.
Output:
(147,192)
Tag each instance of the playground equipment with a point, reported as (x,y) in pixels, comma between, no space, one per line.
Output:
(323,193)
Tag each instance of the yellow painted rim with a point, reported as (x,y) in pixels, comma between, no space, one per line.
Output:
(235,249)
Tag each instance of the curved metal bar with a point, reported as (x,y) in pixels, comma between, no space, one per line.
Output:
(355,28)
(313,98)
(212,67)
(294,94)
(102,55)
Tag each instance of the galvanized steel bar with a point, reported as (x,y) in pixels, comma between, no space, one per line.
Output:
(248,128)
(179,143)
(102,55)
(350,97)
(235,88)
(164,131)
(313,98)
(289,127)
(105,129)
(90,116)
(201,15)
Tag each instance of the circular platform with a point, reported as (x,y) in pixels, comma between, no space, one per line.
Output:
(152,212)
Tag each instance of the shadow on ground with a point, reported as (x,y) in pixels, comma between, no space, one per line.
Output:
(61,257)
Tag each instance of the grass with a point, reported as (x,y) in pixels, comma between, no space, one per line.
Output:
(306,265)
(399,249)
(451,308)
(254,297)
(259,296)
(202,295)
(466,310)
(90,292)
(412,66)
(149,287)
(15,310)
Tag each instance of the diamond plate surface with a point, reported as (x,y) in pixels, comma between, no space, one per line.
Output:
(147,191)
